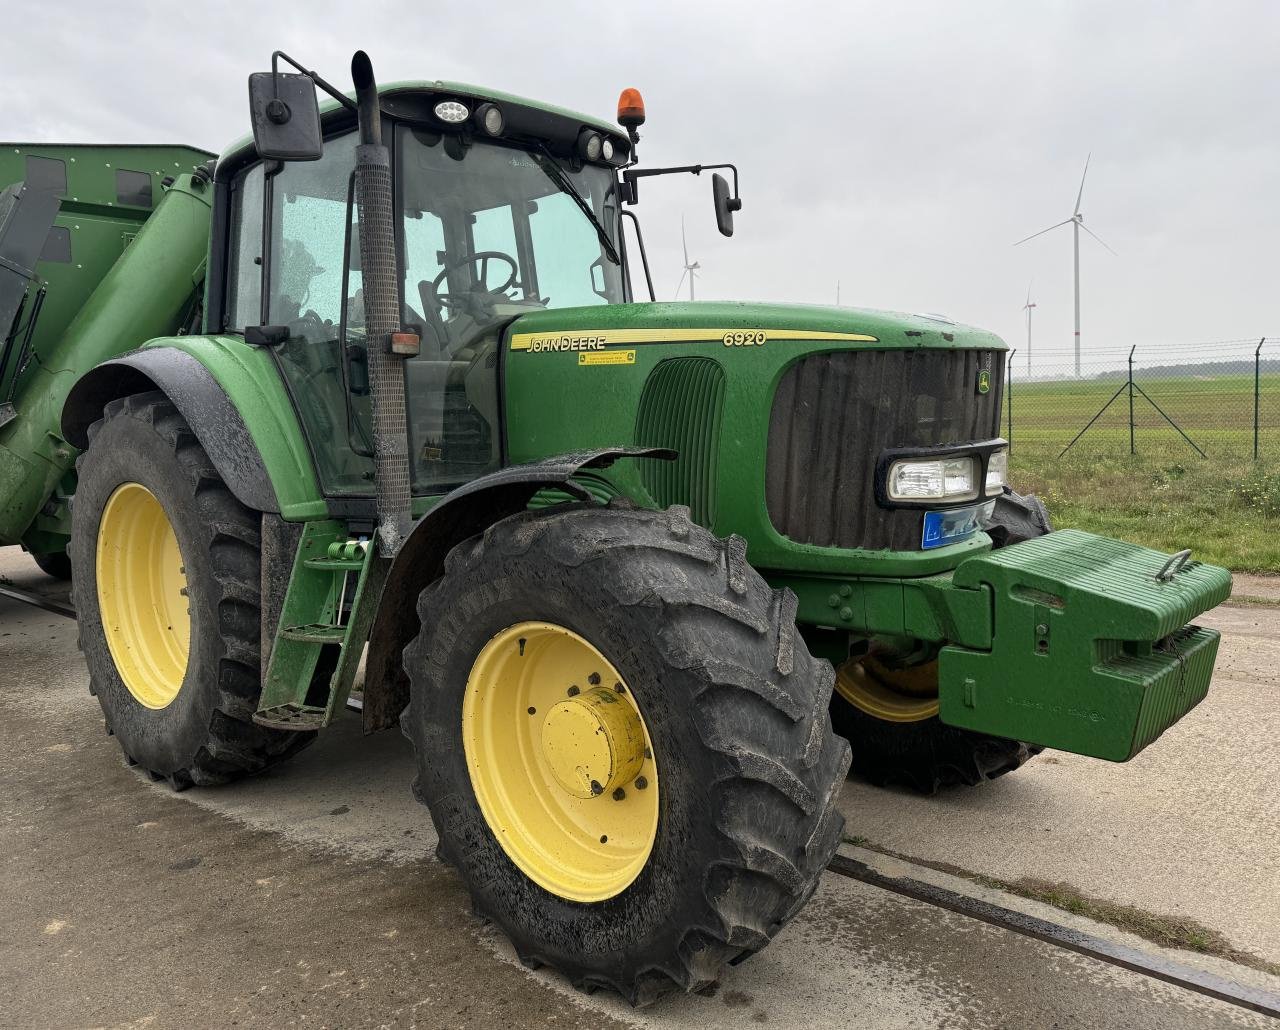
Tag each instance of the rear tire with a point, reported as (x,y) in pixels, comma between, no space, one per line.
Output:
(204,733)
(928,754)
(57,564)
(733,704)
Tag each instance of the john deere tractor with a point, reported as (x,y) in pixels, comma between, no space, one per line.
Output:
(376,385)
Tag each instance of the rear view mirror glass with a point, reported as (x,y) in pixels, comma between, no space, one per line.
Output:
(285,116)
(725,205)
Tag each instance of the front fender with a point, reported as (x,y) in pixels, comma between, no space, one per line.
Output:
(459,515)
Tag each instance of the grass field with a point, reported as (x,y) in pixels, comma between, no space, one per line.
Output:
(1225,507)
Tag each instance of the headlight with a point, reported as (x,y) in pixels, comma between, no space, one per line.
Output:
(490,118)
(934,479)
(589,145)
(997,472)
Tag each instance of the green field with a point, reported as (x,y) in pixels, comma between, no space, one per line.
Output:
(1225,507)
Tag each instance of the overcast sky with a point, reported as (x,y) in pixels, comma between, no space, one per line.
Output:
(899,148)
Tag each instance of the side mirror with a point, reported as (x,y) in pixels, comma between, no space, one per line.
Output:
(285,116)
(725,204)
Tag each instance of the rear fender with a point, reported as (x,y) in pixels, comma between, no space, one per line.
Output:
(261,458)
(420,560)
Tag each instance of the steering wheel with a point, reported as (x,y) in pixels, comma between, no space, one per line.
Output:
(484,257)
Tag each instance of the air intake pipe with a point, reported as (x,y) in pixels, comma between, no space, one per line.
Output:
(381,313)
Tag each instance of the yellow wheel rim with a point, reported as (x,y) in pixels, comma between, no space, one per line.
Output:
(894,695)
(142,600)
(560,761)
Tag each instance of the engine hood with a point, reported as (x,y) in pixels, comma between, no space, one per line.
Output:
(738,323)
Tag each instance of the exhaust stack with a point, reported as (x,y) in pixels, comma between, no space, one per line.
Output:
(382,317)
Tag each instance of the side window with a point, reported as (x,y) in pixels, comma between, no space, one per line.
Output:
(244,304)
(308,231)
(566,253)
(309,207)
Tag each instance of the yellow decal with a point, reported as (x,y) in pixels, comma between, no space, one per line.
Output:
(598,340)
(608,357)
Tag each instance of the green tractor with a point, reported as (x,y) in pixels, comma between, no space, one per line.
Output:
(374,386)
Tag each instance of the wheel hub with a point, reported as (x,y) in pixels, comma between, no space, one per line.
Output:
(593,743)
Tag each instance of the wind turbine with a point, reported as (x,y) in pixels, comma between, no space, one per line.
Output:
(1076,221)
(1027,308)
(690,268)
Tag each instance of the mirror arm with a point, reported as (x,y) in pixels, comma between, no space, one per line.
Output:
(343,99)
(632,174)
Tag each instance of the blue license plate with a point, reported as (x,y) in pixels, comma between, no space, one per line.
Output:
(956,524)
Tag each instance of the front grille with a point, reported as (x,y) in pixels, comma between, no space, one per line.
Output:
(680,408)
(833,415)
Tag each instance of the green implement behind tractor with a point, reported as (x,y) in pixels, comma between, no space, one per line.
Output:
(375,386)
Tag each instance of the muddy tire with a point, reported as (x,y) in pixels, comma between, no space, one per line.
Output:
(204,733)
(1017,517)
(57,564)
(924,756)
(736,715)
(928,755)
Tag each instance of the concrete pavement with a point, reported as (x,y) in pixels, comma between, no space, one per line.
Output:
(308,896)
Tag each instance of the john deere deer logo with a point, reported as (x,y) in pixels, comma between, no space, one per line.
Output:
(984,381)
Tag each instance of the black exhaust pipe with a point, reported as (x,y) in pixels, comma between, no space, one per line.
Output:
(381,313)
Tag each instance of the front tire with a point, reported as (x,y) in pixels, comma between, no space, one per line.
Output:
(732,712)
(889,716)
(167,568)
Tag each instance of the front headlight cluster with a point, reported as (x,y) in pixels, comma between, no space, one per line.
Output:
(953,479)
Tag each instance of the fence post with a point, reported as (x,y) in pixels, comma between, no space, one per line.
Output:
(1132,449)
(1257,392)
(1008,393)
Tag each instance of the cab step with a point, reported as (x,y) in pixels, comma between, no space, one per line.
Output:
(291,716)
(316,633)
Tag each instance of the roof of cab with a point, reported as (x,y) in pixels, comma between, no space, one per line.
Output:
(328,106)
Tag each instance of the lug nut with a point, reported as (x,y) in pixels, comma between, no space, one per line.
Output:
(619,688)
(594,679)
(532,710)
(596,789)
(641,783)
(574,691)
(619,794)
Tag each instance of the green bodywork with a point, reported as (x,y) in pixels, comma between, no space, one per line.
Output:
(1112,668)
(134,273)
(555,405)
(1090,648)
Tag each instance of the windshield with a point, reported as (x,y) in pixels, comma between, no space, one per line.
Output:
(489,234)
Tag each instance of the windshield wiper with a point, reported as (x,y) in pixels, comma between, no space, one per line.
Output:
(556,174)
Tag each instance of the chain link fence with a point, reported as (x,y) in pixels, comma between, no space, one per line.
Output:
(1170,447)
(1195,401)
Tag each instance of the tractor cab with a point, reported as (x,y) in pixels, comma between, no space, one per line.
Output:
(500,209)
